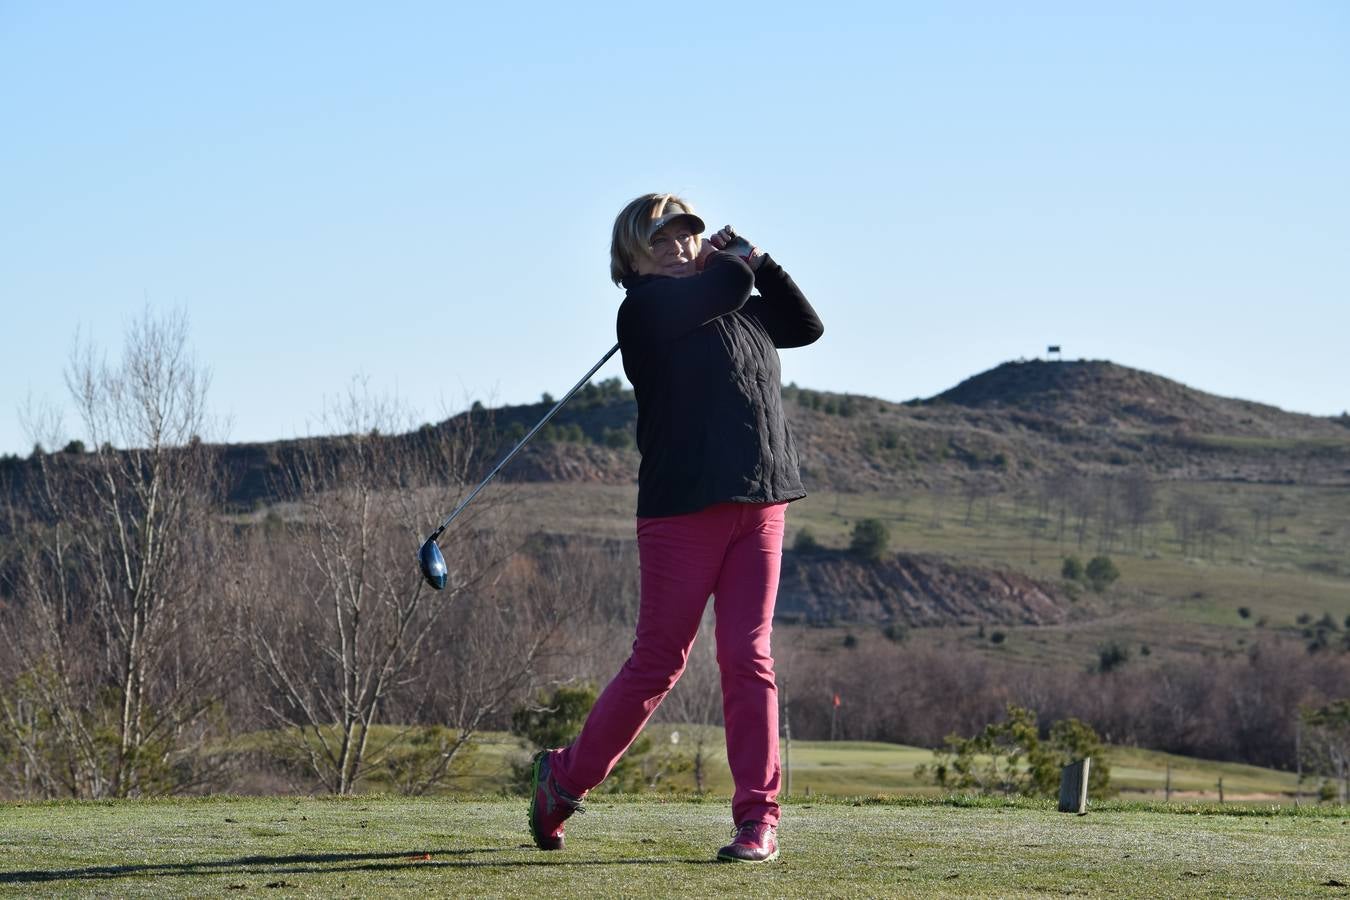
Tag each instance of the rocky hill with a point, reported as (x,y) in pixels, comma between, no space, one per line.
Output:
(1102,394)
(1015,422)
(913,590)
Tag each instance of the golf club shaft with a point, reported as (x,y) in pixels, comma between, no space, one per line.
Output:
(523,441)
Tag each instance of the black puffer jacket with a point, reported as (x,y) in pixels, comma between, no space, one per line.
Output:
(700,353)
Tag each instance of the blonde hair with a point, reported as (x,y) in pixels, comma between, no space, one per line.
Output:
(632,231)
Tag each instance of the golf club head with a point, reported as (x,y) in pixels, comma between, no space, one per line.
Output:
(433,565)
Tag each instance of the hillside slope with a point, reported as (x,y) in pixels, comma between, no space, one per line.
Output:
(1102,394)
(1017,421)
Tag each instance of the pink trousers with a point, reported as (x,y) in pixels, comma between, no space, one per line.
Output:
(733,552)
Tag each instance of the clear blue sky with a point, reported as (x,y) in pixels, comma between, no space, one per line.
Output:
(422,193)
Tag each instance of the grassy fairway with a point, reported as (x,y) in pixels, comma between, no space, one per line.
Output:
(872,768)
(403,847)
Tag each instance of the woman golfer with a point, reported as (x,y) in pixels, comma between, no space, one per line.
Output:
(718,470)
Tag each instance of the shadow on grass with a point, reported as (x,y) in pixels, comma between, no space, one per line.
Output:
(321,863)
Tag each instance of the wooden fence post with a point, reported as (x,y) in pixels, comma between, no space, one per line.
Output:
(1073,787)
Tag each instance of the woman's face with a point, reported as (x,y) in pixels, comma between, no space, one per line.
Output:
(673,250)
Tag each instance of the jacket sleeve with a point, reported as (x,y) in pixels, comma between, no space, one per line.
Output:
(666,308)
(782,308)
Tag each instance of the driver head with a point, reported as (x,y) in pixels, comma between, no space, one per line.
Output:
(433,565)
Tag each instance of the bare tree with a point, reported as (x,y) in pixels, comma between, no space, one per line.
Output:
(1265,507)
(114,668)
(1210,522)
(1139,498)
(1108,511)
(973,490)
(1055,489)
(937,493)
(1083,503)
(343,629)
(1182,512)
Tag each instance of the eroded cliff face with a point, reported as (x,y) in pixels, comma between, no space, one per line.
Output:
(835,587)
(914,590)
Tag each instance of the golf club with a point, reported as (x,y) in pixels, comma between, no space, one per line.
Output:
(434,569)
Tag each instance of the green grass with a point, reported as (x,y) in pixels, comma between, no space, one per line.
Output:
(841,768)
(378,846)
(1136,770)
(870,768)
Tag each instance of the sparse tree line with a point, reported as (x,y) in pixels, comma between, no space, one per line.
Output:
(845,405)
(592,395)
(1128,512)
(1125,513)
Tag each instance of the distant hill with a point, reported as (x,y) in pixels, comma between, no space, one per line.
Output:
(1013,422)
(1103,394)
(1020,420)
(1017,421)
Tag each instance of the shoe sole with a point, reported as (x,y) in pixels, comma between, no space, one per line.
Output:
(727,858)
(534,795)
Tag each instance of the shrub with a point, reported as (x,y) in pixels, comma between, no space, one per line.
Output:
(618,438)
(1072,570)
(555,719)
(805,543)
(870,539)
(1100,572)
(997,637)
(1244,612)
(1111,656)
(1010,757)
